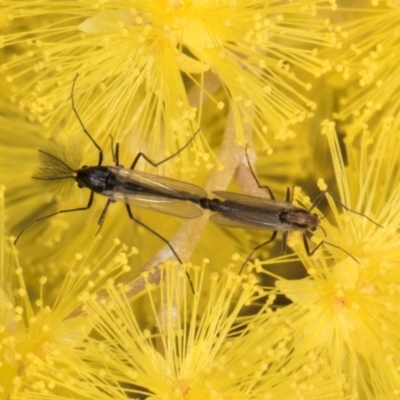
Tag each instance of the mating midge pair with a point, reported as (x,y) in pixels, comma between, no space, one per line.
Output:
(181,199)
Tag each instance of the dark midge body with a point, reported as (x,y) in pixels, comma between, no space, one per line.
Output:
(158,193)
(119,184)
(263,214)
(105,180)
(257,213)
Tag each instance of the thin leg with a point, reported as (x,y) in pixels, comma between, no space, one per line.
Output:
(115,153)
(154,164)
(271,239)
(83,126)
(310,253)
(89,204)
(318,200)
(285,236)
(337,200)
(271,194)
(289,196)
(103,215)
(161,238)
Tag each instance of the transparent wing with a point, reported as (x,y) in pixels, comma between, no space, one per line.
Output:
(161,184)
(165,205)
(251,220)
(256,202)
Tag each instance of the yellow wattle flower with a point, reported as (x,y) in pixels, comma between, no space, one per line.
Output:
(345,311)
(188,349)
(146,68)
(37,339)
(151,73)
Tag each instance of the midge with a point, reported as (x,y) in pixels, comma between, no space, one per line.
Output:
(116,183)
(250,212)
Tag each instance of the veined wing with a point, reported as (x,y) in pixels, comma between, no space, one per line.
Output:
(165,205)
(161,184)
(267,221)
(265,204)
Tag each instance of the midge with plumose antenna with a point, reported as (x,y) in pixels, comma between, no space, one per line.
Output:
(157,193)
(257,213)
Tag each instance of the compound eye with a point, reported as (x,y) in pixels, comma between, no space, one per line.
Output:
(80,185)
(313,229)
(84,166)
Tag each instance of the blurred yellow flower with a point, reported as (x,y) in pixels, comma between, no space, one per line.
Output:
(369,66)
